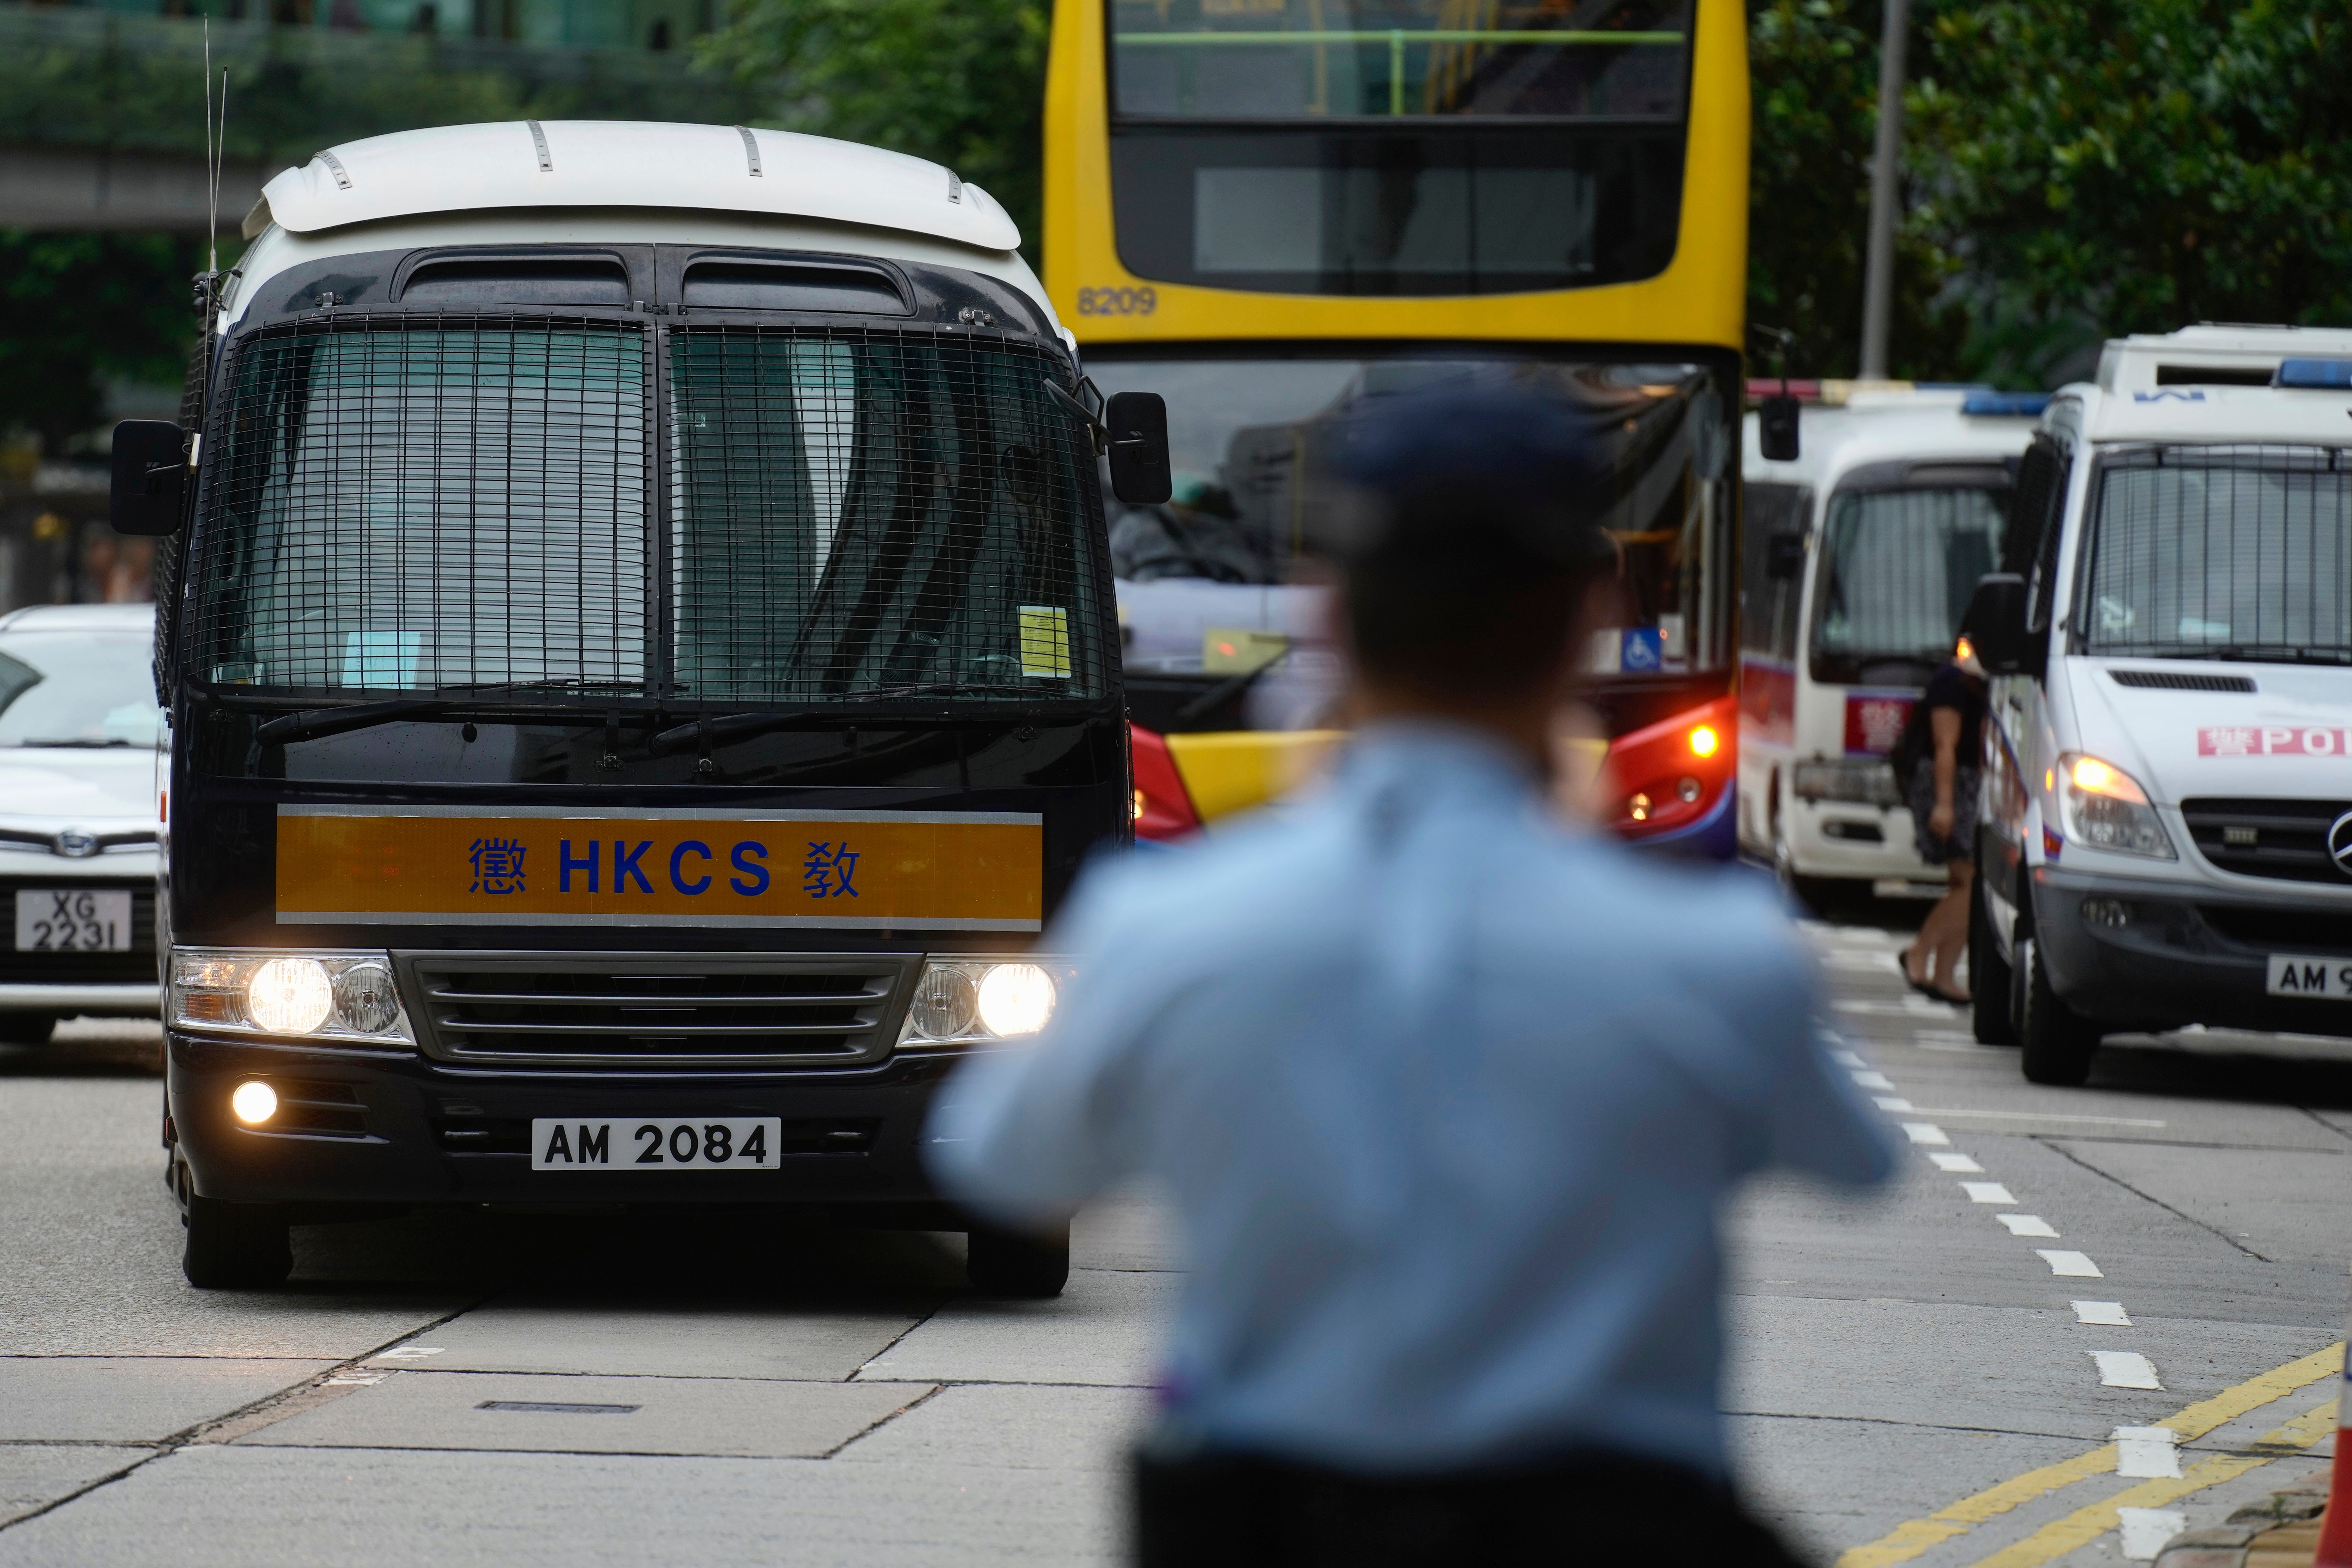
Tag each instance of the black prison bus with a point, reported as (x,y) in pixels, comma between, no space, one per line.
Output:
(636,627)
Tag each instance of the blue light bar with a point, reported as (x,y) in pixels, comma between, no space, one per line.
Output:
(2006,404)
(2324,375)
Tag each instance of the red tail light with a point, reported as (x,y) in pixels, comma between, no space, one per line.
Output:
(1163,808)
(1671,775)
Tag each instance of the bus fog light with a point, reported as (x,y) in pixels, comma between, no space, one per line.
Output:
(1688,789)
(945,1002)
(365,999)
(288,995)
(1638,808)
(1016,999)
(254,1102)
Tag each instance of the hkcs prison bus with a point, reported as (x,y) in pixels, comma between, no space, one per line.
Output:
(639,640)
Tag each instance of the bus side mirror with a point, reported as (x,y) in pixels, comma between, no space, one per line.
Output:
(151,477)
(1138,427)
(1784,556)
(1995,625)
(1776,429)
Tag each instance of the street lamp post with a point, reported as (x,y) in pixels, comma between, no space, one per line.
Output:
(1878,266)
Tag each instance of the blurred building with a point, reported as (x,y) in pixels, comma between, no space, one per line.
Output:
(102,128)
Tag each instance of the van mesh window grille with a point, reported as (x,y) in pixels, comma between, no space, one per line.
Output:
(857,509)
(1898,567)
(2222,549)
(436,501)
(423,502)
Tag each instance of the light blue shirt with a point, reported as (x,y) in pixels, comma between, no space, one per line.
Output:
(1446,1096)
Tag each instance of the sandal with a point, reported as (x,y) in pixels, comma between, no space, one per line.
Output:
(1923,986)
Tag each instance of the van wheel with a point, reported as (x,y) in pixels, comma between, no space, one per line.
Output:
(1010,1263)
(2058,1040)
(235,1246)
(1989,979)
(26,1028)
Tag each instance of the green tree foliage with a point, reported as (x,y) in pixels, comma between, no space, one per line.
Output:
(2106,166)
(84,308)
(961,82)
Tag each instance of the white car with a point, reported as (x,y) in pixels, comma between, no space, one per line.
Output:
(2168,802)
(80,735)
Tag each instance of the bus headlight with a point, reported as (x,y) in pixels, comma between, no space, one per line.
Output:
(977,1000)
(2105,808)
(312,995)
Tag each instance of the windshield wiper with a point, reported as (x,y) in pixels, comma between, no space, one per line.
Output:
(315,723)
(737,726)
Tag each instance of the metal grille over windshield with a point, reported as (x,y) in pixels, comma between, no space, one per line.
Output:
(404,505)
(1898,569)
(859,510)
(2222,551)
(426,502)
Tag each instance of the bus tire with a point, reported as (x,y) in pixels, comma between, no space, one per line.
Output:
(2058,1042)
(235,1246)
(1988,976)
(1017,1265)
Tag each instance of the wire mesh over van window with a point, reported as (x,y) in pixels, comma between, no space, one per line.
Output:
(1897,570)
(858,511)
(2218,551)
(402,504)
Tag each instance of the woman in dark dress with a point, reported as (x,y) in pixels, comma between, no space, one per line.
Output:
(1943,795)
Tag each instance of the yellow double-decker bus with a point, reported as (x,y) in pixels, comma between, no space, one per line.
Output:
(1267,210)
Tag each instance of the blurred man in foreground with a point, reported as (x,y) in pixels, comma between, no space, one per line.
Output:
(1444,1094)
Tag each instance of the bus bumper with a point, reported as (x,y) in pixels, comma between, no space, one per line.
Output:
(369,1129)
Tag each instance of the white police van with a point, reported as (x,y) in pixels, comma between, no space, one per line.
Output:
(1860,554)
(2166,818)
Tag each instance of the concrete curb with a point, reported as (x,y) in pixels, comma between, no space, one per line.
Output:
(2280,1530)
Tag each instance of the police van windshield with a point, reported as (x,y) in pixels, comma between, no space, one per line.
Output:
(1897,568)
(2222,552)
(420,504)
(1229,551)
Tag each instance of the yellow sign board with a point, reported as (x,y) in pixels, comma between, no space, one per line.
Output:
(569,865)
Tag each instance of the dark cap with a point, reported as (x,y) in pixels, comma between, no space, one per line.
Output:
(1479,478)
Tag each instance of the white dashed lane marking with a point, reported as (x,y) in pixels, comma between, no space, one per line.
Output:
(1987,1193)
(2104,1314)
(1923,1133)
(1872,1081)
(1957,1163)
(2028,1224)
(1891,1102)
(2069,1265)
(2148,1453)
(2125,1369)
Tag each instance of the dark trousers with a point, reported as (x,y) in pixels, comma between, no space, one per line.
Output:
(1240,1511)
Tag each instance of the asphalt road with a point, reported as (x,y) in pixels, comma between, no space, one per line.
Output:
(578,1391)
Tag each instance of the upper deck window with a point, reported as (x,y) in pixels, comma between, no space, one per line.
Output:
(1325,59)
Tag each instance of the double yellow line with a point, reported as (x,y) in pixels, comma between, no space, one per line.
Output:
(2086,1524)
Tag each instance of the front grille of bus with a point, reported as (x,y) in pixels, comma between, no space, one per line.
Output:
(659,1009)
(136,967)
(2286,839)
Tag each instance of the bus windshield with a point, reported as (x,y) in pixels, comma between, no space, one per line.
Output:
(2222,552)
(1897,568)
(420,504)
(1228,554)
(1285,60)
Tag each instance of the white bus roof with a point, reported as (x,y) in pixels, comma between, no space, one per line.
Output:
(587,164)
(1884,427)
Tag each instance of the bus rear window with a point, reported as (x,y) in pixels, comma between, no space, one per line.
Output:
(1324,60)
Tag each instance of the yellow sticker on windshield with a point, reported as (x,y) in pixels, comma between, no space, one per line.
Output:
(1046,641)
